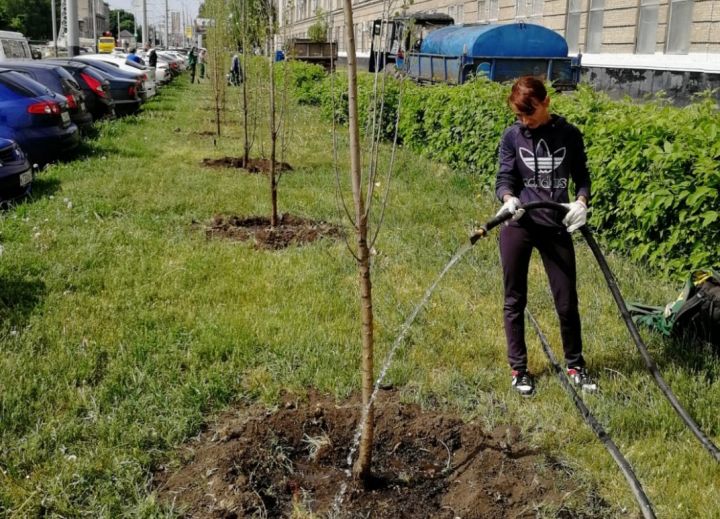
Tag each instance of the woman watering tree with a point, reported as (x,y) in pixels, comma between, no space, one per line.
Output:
(539,155)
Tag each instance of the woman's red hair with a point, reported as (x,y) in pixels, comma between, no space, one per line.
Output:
(526,92)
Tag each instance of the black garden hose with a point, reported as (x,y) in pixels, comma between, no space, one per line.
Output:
(612,284)
(622,463)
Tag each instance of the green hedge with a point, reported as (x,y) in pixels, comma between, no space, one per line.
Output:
(655,167)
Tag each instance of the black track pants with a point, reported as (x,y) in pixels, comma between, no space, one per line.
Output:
(558,257)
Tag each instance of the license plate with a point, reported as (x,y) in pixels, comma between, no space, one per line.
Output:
(65,117)
(26,178)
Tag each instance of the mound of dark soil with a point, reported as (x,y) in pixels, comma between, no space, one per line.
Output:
(262,463)
(292,230)
(252,165)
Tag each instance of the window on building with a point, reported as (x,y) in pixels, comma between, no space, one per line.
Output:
(647,27)
(679,23)
(456,12)
(493,10)
(482,11)
(595,26)
(487,10)
(537,8)
(340,37)
(528,8)
(572,31)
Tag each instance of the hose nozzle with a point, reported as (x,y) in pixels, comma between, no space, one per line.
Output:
(478,234)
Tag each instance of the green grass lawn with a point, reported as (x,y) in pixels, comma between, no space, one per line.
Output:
(123,329)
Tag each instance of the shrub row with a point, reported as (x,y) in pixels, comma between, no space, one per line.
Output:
(655,167)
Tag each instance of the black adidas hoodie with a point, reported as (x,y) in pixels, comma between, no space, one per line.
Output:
(537,164)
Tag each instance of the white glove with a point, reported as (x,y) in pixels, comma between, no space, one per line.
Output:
(512,205)
(576,216)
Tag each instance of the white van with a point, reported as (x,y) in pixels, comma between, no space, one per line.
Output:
(13,45)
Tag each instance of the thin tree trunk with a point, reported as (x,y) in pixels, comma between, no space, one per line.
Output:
(273,134)
(363,465)
(217,114)
(246,148)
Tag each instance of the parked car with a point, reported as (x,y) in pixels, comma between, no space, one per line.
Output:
(16,175)
(163,72)
(94,85)
(35,117)
(13,45)
(147,74)
(126,88)
(179,58)
(58,80)
(171,64)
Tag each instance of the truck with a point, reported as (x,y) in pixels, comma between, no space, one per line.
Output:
(106,43)
(432,49)
(13,45)
(321,53)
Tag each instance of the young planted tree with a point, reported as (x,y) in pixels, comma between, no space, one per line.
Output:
(218,40)
(247,20)
(362,467)
(277,108)
(363,194)
(270,32)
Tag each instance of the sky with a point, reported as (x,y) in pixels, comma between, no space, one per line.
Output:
(156,8)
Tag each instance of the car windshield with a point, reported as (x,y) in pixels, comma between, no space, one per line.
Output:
(22,85)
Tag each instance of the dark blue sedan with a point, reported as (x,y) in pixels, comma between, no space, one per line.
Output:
(16,175)
(36,118)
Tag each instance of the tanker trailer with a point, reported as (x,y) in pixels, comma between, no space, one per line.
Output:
(499,52)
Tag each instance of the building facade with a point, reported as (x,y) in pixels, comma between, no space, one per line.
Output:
(85,15)
(638,46)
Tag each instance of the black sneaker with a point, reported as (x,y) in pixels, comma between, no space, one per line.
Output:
(523,383)
(581,378)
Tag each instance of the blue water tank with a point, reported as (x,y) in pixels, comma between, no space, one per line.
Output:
(496,40)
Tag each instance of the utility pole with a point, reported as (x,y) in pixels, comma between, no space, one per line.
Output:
(167,32)
(118,25)
(94,16)
(72,41)
(145,27)
(54,27)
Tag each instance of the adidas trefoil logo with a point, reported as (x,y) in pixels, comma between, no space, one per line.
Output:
(545,160)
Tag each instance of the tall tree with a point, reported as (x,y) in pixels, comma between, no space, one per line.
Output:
(30,17)
(127,21)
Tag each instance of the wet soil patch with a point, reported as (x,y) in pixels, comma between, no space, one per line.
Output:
(256,462)
(252,165)
(291,230)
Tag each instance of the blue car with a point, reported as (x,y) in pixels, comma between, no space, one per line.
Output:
(16,176)
(36,118)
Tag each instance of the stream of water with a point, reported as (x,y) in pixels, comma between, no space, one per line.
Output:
(337,502)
